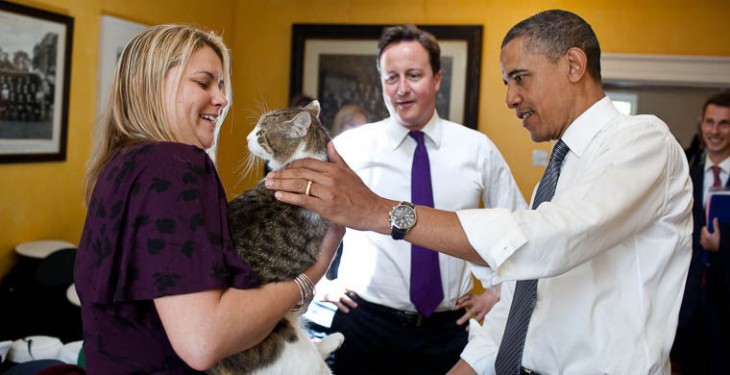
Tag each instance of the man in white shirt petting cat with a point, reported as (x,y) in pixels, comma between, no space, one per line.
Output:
(600,265)
(385,332)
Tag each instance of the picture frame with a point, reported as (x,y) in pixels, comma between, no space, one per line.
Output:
(35,71)
(336,64)
(114,34)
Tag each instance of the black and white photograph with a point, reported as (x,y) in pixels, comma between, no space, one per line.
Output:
(337,65)
(35,59)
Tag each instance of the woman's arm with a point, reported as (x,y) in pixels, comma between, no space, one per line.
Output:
(208,326)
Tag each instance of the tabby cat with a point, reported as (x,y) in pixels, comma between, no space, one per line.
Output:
(280,241)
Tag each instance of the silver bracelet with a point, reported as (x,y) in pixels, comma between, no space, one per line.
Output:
(306,291)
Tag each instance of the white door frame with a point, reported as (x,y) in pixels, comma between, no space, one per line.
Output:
(674,70)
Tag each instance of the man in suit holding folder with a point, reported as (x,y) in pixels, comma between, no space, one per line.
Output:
(702,344)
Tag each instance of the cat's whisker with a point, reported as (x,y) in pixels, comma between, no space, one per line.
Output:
(248,165)
(253,163)
(262,108)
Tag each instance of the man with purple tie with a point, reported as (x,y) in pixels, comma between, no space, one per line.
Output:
(401,307)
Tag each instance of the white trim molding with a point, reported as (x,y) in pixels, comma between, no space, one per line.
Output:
(674,70)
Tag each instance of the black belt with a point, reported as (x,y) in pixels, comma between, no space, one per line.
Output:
(407,318)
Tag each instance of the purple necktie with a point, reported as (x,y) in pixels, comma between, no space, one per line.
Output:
(426,291)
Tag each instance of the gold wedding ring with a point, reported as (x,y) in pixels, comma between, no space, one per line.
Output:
(309,188)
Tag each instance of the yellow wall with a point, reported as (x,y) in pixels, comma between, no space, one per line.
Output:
(43,200)
(262,52)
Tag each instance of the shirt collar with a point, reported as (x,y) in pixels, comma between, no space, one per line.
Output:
(724,165)
(398,133)
(588,124)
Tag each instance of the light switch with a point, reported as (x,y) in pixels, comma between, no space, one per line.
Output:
(539,158)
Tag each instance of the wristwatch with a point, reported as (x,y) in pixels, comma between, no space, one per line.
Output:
(402,219)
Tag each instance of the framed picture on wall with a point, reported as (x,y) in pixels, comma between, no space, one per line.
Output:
(35,67)
(114,34)
(337,65)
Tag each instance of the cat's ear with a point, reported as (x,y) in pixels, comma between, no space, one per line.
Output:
(300,124)
(313,107)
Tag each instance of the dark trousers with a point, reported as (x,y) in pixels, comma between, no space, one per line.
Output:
(702,344)
(380,340)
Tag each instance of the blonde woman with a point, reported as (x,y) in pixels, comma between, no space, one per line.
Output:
(161,288)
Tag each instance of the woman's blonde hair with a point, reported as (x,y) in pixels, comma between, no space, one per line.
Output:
(135,108)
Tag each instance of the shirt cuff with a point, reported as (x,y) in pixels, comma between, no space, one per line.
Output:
(493,233)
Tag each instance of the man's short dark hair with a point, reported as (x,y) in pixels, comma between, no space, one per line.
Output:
(407,33)
(721,99)
(553,32)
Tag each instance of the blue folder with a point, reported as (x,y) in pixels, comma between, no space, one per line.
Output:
(718,206)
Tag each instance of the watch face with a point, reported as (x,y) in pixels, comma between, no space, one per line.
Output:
(404,217)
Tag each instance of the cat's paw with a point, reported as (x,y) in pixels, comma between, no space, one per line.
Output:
(330,343)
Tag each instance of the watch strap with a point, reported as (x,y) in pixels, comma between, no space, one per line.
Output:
(397,233)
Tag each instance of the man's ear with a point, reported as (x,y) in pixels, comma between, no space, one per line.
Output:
(577,63)
(437,78)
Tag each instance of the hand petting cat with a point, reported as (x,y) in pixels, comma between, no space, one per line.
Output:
(340,196)
(336,193)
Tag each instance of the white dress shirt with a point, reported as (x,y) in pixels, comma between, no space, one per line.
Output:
(466,168)
(611,252)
